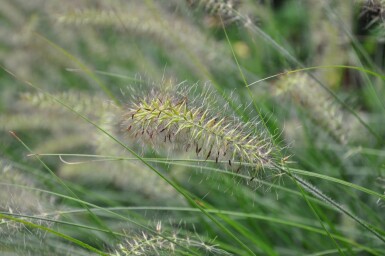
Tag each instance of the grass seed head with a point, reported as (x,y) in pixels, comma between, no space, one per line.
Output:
(164,242)
(171,117)
(317,103)
(222,9)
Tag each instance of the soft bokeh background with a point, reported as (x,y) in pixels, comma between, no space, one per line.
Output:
(97,57)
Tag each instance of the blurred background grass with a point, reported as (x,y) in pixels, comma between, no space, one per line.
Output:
(99,56)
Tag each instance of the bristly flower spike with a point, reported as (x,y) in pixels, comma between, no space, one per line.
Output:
(173,119)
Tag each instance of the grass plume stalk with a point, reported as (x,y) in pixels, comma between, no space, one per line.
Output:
(174,185)
(319,194)
(247,22)
(225,9)
(172,119)
(153,244)
(134,153)
(322,110)
(139,20)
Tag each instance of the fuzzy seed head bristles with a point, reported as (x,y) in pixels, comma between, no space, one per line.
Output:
(322,110)
(173,119)
(375,6)
(372,16)
(226,9)
(17,200)
(174,33)
(166,243)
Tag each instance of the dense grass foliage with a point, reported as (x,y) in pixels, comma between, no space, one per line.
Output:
(192,127)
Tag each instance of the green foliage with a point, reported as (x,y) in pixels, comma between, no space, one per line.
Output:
(237,127)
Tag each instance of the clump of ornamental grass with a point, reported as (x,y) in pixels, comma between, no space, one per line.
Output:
(14,198)
(170,117)
(172,32)
(123,175)
(315,102)
(162,242)
(18,201)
